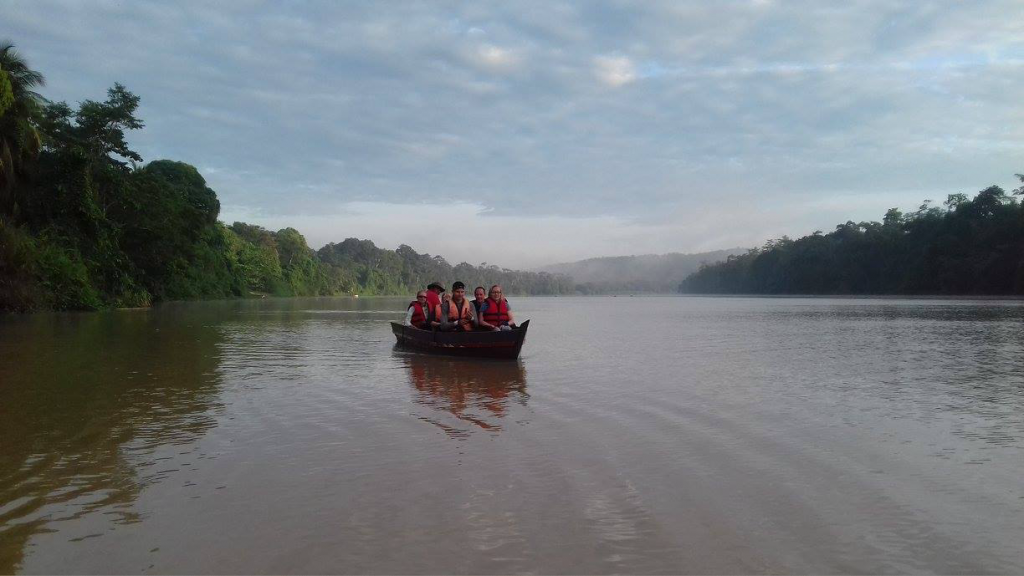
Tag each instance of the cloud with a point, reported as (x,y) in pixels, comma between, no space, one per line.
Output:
(614,70)
(496,58)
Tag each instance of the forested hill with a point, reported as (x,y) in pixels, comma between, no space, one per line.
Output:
(650,273)
(360,266)
(85,224)
(968,246)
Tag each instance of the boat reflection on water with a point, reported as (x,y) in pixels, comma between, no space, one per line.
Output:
(465,395)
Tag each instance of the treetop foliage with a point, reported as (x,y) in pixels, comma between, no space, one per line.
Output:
(96,129)
(19,105)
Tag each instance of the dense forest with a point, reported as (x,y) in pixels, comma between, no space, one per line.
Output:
(647,273)
(85,224)
(967,246)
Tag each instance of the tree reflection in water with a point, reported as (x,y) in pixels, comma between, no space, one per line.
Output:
(465,395)
(92,408)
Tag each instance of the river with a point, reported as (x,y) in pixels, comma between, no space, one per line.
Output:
(642,435)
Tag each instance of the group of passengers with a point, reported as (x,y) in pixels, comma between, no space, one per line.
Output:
(454,312)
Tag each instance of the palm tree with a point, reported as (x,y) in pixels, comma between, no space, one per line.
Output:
(19,105)
(6,95)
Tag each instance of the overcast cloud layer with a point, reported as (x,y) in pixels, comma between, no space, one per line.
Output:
(591,128)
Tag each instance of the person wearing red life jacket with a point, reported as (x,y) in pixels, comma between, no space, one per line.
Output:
(496,312)
(420,314)
(434,290)
(457,314)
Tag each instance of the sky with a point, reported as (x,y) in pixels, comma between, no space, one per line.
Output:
(528,133)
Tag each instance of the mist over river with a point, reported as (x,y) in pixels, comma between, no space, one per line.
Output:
(636,435)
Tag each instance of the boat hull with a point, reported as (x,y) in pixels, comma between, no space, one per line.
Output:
(489,344)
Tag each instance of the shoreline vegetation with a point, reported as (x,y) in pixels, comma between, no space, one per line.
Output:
(967,247)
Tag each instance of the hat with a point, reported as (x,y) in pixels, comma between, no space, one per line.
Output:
(436,285)
(458,285)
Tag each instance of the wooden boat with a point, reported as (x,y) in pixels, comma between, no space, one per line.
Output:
(483,344)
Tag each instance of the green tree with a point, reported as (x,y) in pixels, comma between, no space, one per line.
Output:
(255,253)
(96,129)
(6,92)
(303,271)
(1020,190)
(19,106)
(954,201)
(291,246)
(893,218)
(169,232)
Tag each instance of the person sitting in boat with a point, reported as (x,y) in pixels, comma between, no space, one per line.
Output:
(420,314)
(434,290)
(479,295)
(496,312)
(456,312)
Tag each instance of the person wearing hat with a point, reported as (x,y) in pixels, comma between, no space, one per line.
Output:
(457,314)
(420,315)
(434,290)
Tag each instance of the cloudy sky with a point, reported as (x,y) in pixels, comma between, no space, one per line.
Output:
(524,133)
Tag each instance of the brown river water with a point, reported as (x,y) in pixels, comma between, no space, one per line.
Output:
(640,435)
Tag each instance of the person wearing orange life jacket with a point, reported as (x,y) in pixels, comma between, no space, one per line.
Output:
(496,312)
(420,314)
(457,314)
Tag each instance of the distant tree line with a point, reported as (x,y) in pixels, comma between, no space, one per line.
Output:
(84,224)
(967,246)
(373,270)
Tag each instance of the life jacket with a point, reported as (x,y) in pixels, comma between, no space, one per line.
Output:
(460,314)
(419,315)
(433,299)
(496,314)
